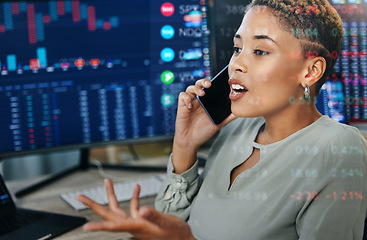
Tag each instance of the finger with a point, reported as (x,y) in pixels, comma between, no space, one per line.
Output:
(185,99)
(127,225)
(203,83)
(197,89)
(85,200)
(200,85)
(139,229)
(134,203)
(112,200)
(194,90)
(97,208)
(94,226)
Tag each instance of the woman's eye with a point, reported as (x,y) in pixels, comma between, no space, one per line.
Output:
(260,52)
(237,50)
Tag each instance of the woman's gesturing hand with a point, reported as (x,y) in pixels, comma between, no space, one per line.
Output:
(144,222)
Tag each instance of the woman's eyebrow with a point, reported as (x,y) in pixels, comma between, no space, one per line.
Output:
(258,37)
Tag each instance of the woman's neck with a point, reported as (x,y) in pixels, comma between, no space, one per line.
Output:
(280,126)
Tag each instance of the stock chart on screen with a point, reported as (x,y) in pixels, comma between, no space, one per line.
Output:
(350,70)
(79,72)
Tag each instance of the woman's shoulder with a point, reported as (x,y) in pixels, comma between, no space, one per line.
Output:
(338,139)
(330,129)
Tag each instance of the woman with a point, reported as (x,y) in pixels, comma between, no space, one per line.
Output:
(277,168)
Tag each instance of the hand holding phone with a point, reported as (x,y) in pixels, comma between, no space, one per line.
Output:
(216,102)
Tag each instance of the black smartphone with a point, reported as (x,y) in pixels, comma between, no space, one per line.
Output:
(216,100)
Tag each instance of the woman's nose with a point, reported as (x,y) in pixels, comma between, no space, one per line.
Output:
(238,64)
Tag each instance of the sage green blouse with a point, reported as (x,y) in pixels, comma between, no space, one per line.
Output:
(310,185)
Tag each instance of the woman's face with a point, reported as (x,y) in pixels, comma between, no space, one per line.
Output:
(263,72)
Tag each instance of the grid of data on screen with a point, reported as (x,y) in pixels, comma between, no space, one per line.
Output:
(79,72)
(347,86)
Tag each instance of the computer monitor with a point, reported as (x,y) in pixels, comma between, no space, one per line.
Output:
(350,71)
(344,95)
(82,73)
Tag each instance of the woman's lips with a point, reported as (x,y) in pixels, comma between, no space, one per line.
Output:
(238,89)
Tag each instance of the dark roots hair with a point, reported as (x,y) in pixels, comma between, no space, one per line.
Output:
(315,23)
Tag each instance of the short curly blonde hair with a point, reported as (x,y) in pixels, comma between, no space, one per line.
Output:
(315,23)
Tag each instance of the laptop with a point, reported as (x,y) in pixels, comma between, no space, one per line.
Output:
(18,223)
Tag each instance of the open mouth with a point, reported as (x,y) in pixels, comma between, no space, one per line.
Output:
(238,88)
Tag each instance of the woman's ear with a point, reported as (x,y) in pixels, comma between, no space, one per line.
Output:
(315,70)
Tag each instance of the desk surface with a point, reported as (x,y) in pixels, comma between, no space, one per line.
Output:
(47,199)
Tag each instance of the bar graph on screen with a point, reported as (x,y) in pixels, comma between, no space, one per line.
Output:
(37,20)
